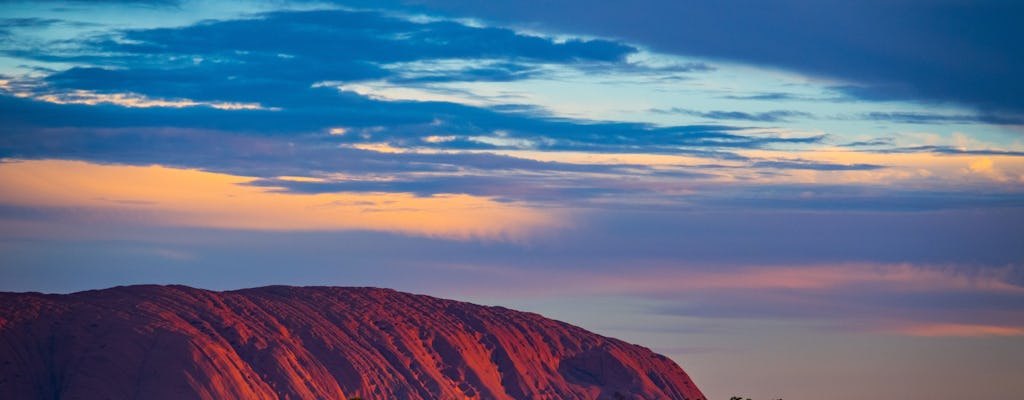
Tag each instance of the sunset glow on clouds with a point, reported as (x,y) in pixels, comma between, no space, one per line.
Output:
(963,330)
(178,197)
(821,172)
(796,293)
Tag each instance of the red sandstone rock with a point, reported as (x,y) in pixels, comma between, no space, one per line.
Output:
(175,342)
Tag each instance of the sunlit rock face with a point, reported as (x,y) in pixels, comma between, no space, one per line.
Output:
(175,342)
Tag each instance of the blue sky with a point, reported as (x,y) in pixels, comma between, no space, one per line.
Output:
(743,186)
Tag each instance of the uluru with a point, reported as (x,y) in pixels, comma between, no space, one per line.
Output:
(282,342)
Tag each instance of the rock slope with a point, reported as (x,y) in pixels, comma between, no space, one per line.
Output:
(176,342)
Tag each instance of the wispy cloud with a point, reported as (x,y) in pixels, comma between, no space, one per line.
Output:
(933,330)
(130,100)
(931,118)
(767,116)
(904,299)
(816,166)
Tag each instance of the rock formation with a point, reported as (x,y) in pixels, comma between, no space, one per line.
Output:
(176,342)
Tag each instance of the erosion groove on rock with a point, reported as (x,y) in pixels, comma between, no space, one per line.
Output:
(278,342)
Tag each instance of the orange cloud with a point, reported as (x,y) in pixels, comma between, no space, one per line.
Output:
(960,330)
(184,197)
(901,168)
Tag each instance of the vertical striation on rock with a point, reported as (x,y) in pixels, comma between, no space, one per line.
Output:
(278,342)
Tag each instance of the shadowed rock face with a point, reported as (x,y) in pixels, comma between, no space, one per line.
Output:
(175,342)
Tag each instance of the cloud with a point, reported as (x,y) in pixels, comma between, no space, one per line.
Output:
(934,330)
(230,97)
(28,22)
(152,3)
(273,58)
(133,100)
(984,166)
(945,51)
(470,71)
(853,198)
(871,142)
(899,298)
(940,168)
(406,120)
(277,155)
(901,277)
(769,116)
(815,166)
(331,42)
(932,118)
(262,73)
(950,150)
(635,161)
(564,190)
(764,96)
(163,196)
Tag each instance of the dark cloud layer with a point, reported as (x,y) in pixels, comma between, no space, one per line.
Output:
(949,51)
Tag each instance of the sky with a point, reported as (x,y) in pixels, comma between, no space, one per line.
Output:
(792,199)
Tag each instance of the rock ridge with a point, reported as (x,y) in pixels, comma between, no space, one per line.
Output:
(283,342)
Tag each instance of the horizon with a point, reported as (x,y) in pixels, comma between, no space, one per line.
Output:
(793,199)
